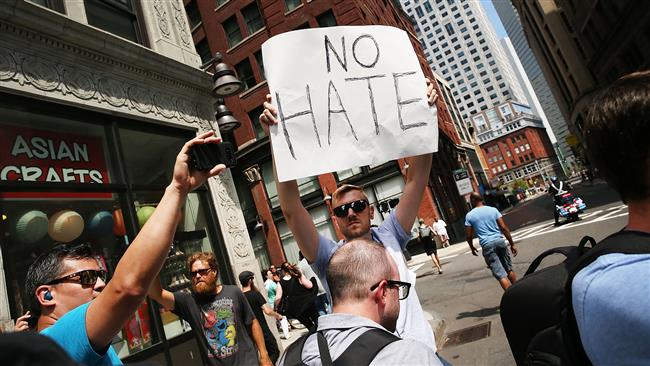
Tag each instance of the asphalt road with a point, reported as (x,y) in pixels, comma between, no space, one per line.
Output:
(467,295)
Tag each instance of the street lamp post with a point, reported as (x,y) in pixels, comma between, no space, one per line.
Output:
(226,84)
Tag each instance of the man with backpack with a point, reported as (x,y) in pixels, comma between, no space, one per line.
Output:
(593,307)
(611,296)
(488,224)
(366,304)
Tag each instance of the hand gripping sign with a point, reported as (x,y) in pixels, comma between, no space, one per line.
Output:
(346,97)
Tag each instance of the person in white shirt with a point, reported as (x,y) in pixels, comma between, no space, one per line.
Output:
(440,230)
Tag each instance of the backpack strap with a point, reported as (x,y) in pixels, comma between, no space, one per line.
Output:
(626,242)
(364,349)
(293,354)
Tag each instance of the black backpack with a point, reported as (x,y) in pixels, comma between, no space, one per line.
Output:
(537,311)
(359,353)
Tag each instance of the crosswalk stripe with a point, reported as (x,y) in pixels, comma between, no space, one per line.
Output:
(608,216)
(591,214)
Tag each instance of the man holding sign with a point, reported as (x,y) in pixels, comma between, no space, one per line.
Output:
(412,127)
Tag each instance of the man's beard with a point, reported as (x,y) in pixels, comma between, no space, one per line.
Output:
(205,288)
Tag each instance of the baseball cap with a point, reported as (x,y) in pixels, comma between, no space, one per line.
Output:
(245,276)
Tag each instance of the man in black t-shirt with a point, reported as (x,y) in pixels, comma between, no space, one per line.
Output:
(220,316)
(260,307)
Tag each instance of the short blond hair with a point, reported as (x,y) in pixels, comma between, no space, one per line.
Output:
(345,188)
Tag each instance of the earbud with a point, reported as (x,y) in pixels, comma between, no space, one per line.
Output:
(48,296)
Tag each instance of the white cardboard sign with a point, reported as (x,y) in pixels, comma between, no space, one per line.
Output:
(347,96)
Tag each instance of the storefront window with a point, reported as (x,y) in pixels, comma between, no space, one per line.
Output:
(191,237)
(65,180)
(149,158)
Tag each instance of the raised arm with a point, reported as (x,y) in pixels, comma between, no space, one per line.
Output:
(145,256)
(300,222)
(160,295)
(416,179)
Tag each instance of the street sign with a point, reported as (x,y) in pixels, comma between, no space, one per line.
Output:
(463,183)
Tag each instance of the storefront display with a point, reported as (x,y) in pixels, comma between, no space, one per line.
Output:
(69,177)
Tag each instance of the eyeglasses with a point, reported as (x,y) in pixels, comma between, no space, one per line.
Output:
(403,287)
(200,272)
(87,277)
(356,206)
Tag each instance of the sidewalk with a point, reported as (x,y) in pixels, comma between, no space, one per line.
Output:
(443,253)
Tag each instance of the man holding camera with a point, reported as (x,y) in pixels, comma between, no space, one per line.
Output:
(71,301)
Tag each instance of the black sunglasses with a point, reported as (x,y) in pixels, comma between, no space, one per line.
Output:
(200,272)
(356,206)
(87,277)
(403,287)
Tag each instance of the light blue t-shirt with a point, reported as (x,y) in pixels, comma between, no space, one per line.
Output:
(484,221)
(70,333)
(611,302)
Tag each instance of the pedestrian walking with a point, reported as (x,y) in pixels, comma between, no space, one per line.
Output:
(298,294)
(425,236)
(321,302)
(487,223)
(272,287)
(260,307)
(440,230)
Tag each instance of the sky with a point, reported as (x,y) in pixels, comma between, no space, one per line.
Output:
(494,18)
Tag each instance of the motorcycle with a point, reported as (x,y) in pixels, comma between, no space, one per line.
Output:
(571,207)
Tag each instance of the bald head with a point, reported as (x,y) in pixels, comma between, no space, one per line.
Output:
(355,267)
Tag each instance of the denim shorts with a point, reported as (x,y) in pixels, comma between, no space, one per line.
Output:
(498,258)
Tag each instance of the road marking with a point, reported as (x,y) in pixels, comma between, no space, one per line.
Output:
(591,214)
(528,230)
(615,207)
(608,215)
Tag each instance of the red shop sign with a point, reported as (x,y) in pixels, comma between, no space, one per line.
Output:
(30,155)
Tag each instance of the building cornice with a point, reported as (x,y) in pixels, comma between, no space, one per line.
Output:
(77,64)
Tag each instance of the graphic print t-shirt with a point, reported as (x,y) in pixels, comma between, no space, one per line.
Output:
(219,322)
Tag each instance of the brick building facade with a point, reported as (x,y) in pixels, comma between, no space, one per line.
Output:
(237,29)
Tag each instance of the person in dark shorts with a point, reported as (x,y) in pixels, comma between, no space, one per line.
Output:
(487,223)
(425,235)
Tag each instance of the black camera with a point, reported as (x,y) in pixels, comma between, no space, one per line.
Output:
(206,156)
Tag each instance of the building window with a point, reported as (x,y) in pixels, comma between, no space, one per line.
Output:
(118,18)
(245,73)
(233,33)
(427,7)
(252,18)
(291,4)
(203,49)
(260,63)
(449,28)
(220,2)
(327,19)
(193,16)
(419,12)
